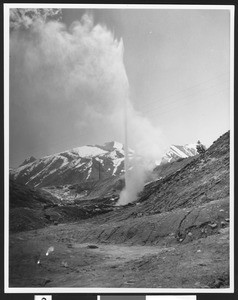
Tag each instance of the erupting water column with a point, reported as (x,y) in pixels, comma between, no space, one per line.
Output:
(123,199)
(126,161)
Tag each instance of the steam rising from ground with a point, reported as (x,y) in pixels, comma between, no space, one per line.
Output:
(146,141)
(82,66)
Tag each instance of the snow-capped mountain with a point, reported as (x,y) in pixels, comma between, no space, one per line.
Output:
(83,164)
(80,164)
(175,152)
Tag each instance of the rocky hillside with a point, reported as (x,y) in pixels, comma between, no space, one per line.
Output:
(201,180)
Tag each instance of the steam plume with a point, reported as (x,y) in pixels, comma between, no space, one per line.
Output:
(76,75)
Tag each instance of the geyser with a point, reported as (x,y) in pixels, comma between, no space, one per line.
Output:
(78,72)
(145,139)
(126,159)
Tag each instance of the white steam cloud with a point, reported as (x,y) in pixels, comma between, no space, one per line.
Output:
(26,17)
(83,66)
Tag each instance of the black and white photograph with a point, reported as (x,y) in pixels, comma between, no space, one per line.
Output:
(119,148)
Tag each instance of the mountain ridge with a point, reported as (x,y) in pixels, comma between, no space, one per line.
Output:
(76,165)
(80,164)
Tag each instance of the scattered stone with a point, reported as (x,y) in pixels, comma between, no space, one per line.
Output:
(64,264)
(190,234)
(199,250)
(224,230)
(221,209)
(227,220)
(92,246)
(214,225)
(223,224)
(217,283)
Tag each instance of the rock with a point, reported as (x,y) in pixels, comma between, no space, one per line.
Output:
(190,234)
(92,246)
(217,283)
(214,225)
(199,250)
(227,220)
(64,264)
(45,281)
(224,230)
(223,224)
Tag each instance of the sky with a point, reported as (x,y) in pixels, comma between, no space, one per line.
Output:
(69,79)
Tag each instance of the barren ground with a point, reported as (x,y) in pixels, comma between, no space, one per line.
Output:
(191,253)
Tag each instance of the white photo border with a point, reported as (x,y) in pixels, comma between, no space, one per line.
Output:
(51,290)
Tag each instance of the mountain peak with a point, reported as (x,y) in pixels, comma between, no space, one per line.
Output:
(27,161)
(110,146)
(80,164)
(176,151)
(88,151)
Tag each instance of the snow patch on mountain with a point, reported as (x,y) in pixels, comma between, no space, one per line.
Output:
(86,163)
(175,152)
(88,151)
(73,166)
(116,164)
